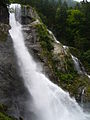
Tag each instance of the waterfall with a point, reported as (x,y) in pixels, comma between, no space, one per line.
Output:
(76,62)
(77,65)
(50,32)
(82,95)
(79,69)
(50,102)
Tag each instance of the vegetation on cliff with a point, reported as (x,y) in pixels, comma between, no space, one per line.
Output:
(61,64)
(3,115)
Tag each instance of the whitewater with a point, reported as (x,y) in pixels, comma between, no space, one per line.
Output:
(50,102)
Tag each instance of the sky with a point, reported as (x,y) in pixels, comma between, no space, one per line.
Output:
(80,0)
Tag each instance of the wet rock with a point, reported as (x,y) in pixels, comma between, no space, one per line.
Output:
(28,14)
(4,14)
(4,28)
(12,90)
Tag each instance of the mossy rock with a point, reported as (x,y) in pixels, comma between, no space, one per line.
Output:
(3,115)
(3,36)
(88,93)
(78,83)
(3,108)
(29,13)
(3,31)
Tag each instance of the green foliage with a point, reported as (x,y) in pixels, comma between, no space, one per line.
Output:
(66,78)
(75,52)
(47,47)
(3,115)
(74,21)
(2,108)
(73,86)
(60,24)
(85,57)
(79,83)
(44,37)
(75,17)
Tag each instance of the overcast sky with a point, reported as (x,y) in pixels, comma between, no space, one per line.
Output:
(80,0)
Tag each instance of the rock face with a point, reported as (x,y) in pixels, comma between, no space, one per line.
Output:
(4,15)
(12,90)
(4,21)
(51,55)
(13,93)
(3,31)
(28,15)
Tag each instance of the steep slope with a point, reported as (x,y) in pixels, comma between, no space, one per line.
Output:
(55,59)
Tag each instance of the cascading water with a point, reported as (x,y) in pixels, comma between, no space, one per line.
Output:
(77,64)
(80,69)
(49,101)
(50,32)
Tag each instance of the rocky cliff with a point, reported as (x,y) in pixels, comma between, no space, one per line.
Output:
(55,60)
(4,14)
(4,21)
(13,94)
